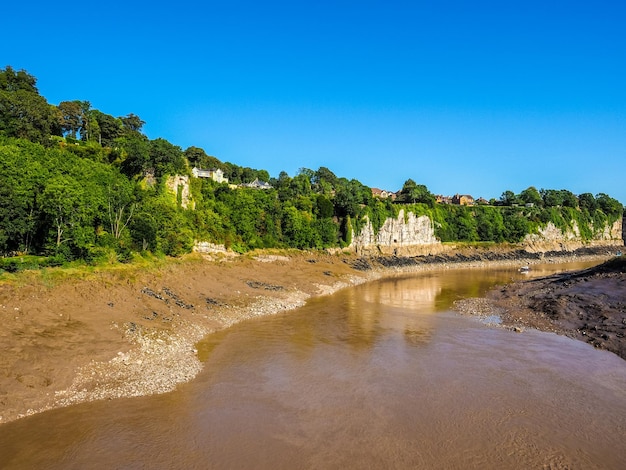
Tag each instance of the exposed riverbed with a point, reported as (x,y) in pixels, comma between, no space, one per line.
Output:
(381,375)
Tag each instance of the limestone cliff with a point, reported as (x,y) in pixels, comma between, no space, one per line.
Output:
(551,238)
(412,235)
(402,236)
(180,184)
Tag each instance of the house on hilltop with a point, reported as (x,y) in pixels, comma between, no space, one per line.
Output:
(256,184)
(215,174)
(381,193)
(463,200)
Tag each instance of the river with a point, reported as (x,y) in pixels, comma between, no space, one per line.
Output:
(383,375)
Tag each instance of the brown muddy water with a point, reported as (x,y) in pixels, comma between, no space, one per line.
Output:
(383,375)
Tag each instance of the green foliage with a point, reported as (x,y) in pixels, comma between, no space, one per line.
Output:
(74,118)
(346,231)
(237,174)
(379,211)
(416,193)
(165,158)
(611,207)
(23,112)
(509,198)
(531,196)
(135,154)
(105,128)
(198,157)
(490,224)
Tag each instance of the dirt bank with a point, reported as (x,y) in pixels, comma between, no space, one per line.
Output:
(130,332)
(588,305)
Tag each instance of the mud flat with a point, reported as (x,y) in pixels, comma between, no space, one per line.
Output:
(588,305)
(133,332)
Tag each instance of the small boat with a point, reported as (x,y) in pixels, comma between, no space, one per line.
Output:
(524,269)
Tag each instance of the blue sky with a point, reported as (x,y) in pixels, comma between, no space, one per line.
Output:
(465,97)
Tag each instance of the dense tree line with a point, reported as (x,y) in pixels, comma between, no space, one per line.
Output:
(77,183)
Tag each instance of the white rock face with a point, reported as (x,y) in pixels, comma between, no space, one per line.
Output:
(173,182)
(613,232)
(416,235)
(551,238)
(207,247)
(397,234)
(550,233)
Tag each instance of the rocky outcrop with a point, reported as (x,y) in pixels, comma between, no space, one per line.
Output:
(208,247)
(405,236)
(551,238)
(414,236)
(179,183)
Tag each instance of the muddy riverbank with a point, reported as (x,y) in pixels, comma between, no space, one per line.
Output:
(132,332)
(588,305)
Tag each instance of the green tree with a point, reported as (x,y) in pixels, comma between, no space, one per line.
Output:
(552,197)
(587,202)
(11,80)
(300,186)
(135,154)
(324,207)
(132,124)
(120,205)
(297,229)
(324,181)
(283,186)
(350,197)
(74,118)
(327,230)
(198,157)
(531,196)
(21,178)
(515,224)
(490,224)
(165,158)
(23,112)
(143,231)
(508,198)
(107,128)
(569,199)
(465,226)
(63,200)
(608,205)
(416,193)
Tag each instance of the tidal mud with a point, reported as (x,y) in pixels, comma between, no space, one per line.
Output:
(588,305)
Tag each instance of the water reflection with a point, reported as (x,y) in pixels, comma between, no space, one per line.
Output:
(415,293)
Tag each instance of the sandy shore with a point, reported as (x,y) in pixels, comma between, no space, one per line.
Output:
(133,332)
